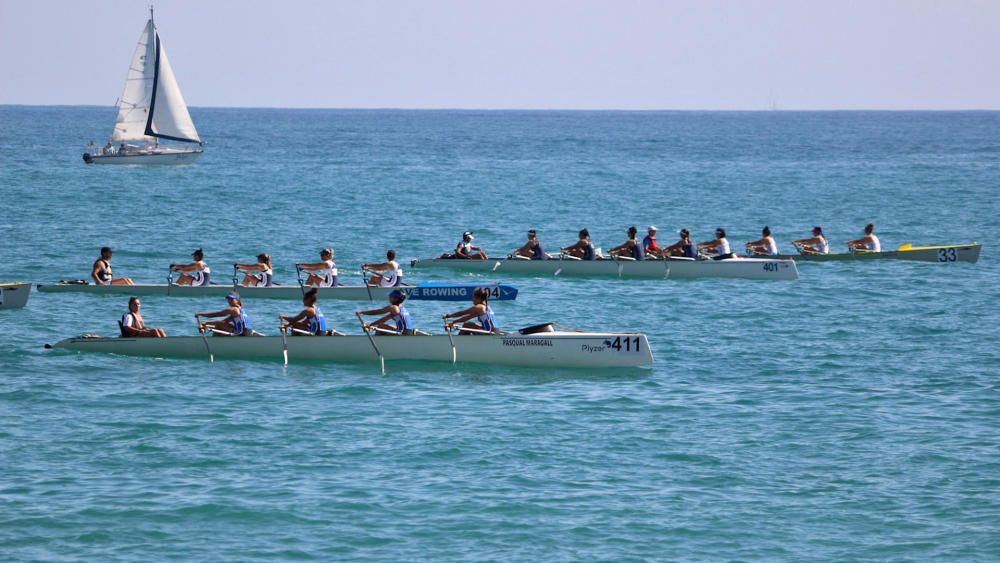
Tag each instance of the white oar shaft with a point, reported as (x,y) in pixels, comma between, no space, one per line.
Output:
(284,340)
(204,338)
(381,360)
(454,352)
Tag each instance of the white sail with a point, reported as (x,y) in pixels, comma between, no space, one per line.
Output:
(133,107)
(151,105)
(171,119)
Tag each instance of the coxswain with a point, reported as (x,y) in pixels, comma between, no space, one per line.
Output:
(479,317)
(466,250)
(393,313)
(766,246)
(717,248)
(196,273)
(234,321)
(583,249)
(322,273)
(867,243)
(310,320)
(817,244)
(684,247)
(101,273)
(256,275)
(531,249)
(390,274)
(630,248)
(132,324)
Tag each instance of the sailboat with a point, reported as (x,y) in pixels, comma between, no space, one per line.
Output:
(151,109)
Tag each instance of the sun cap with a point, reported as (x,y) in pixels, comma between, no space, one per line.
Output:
(652,228)
(232,295)
(397,294)
(532,232)
(467,234)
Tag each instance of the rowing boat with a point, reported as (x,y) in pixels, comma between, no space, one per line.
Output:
(543,349)
(14,295)
(674,268)
(938,254)
(428,291)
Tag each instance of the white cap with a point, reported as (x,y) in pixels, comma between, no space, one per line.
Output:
(652,227)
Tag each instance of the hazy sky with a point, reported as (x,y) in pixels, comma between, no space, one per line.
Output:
(645,54)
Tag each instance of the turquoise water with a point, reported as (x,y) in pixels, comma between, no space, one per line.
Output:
(853,414)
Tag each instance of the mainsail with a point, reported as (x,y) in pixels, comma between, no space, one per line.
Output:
(151,106)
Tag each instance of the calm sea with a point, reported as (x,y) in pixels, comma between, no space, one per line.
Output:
(851,415)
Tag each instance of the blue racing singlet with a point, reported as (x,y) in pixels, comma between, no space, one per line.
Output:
(538,253)
(317,324)
(402,320)
(638,252)
(588,252)
(241,323)
(488,321)
(689,250)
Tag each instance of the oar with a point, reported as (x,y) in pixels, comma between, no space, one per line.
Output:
(284,339)
(454,353)
(204,338)
(371,339)
(298,275)
(364,276)
(170,279)
(235,276)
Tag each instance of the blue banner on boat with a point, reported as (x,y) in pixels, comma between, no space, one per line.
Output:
(434,291)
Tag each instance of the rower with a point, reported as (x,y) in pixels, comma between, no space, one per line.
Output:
(684,247)
(766,246)
(532,249)
(133,326)
(236,321)
(649,242)
(466,250)
(869,242)
(256,275)
(323,273)
(196,273)
(583,249)
(479,317)
(392,274)
(717,248)
(393,313)
(631,248)
(101,272)
(310,321)
(817,244)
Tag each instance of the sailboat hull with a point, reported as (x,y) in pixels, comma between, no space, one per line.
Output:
(159,157)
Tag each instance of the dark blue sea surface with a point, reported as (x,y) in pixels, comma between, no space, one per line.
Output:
(851,415)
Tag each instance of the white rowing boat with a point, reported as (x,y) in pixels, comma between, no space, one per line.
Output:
(944,254)
(673,268)
(14,295)
(542,349)
(428,291)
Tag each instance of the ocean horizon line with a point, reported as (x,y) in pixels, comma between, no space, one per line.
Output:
(543,110)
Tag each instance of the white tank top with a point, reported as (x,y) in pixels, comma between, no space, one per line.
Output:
(824,247)
(771,246)
(723,247)
(874,244)
(330,270)
(391,276)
